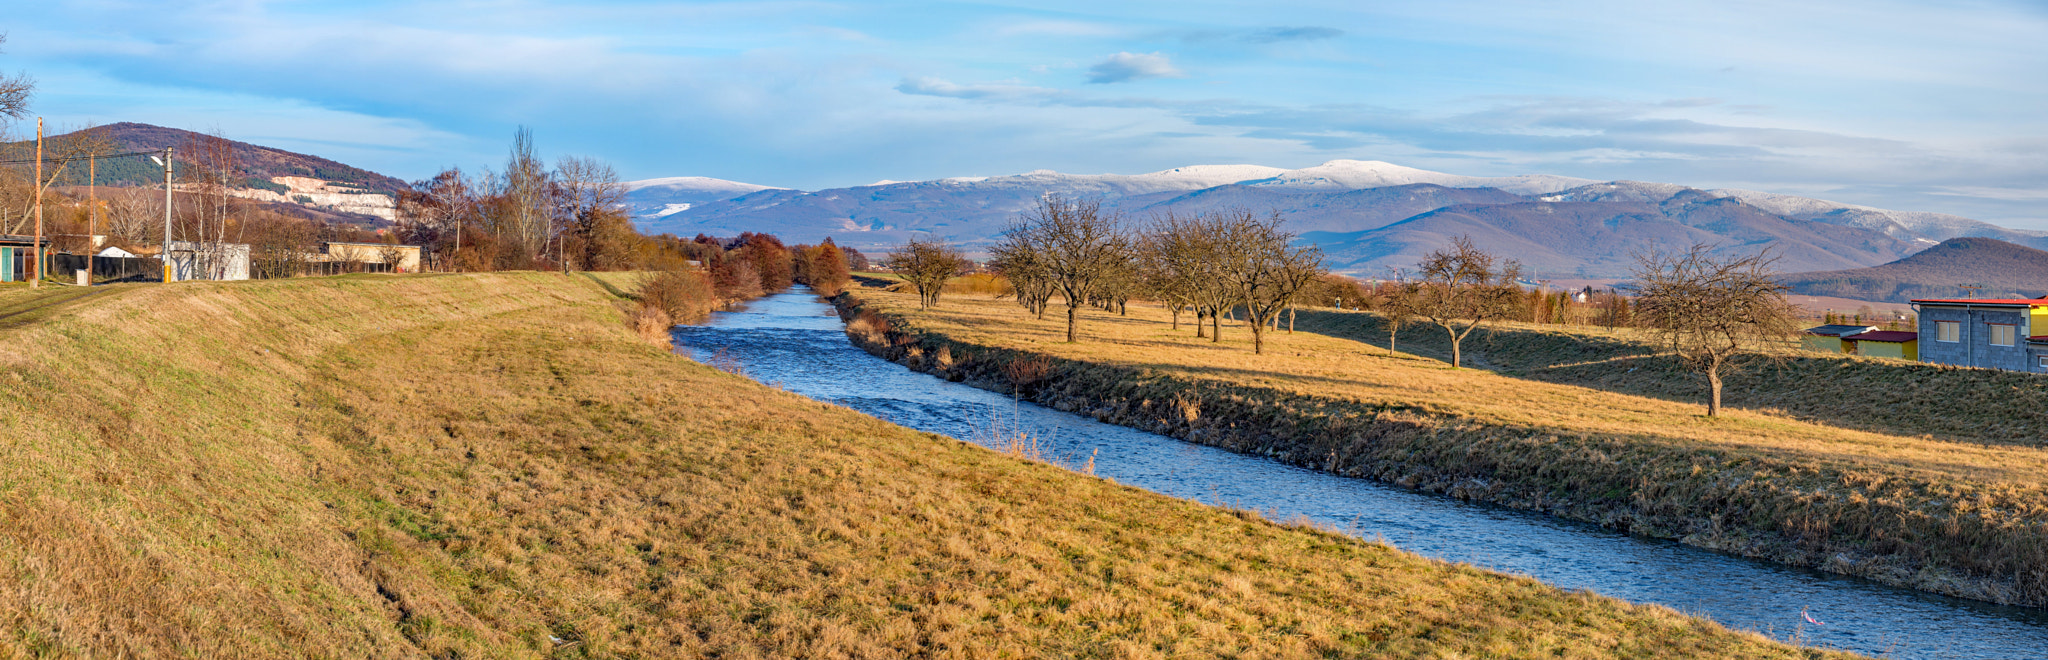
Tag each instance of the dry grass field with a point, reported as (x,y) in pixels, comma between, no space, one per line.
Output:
(495,466)
(1585,429)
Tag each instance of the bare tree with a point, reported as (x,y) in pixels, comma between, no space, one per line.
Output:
(1713,311)
(1192,253)
(522,221)
(1162,270)
(587,198)
(1465,286)
(1079,249)
(1395,303)
(15,93)
(135,215)
(1017,258)
(1266,272)
(926,264)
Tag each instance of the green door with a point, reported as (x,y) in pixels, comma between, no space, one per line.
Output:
(6,264)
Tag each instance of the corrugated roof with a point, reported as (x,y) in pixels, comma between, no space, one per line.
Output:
(1886,335)
(2035,302)
(1839,330)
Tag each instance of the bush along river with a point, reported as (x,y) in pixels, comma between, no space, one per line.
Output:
(798,343)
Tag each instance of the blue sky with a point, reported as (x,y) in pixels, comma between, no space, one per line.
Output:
(1922,106)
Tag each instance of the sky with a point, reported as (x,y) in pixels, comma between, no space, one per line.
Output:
(1934,106)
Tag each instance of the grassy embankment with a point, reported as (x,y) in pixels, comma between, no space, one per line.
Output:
(495,466)
(1838,483)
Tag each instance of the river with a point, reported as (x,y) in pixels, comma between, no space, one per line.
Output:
(796,342)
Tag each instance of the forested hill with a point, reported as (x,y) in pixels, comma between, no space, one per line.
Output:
(2005,269)
(257,163)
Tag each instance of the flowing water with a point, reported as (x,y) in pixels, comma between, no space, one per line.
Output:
(798,343)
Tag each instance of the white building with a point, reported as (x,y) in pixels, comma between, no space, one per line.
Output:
(208,261)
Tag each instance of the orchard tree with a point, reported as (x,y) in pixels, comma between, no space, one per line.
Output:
(1712,312)
(1265,271)
(926,264)
(1462,288)
(1078,247)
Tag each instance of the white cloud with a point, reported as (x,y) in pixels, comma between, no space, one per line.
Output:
(1126,67)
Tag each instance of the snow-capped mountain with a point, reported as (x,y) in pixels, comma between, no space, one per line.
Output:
(659,198)
(1379,174)
(1367,214)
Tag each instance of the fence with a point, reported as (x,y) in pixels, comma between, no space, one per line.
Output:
(108,269)
(150,269)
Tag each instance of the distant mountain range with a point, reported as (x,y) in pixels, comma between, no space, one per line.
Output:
(1369,216)
(2004,270)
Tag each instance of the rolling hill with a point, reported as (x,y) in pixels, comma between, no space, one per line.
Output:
(259,163)
(2005,269)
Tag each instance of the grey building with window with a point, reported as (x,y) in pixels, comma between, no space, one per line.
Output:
(1997,334)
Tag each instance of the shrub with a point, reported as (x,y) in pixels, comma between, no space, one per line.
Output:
(683,295)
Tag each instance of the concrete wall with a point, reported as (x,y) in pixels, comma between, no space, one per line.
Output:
(1888,349)
(1975,349)
(1821,343)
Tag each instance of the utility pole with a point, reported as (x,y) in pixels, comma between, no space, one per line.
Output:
(92,210)
(170,273)
(36,282)
(1970,290)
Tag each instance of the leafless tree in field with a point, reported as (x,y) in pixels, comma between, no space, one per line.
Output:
(1463,287)
(1079,248)
(1016,257)
(1192,251)
(1395,303)
(1163,268)
(1712,311)
(1265,270)
(926,264)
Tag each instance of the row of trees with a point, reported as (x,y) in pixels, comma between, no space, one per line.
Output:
(1708,311)
(1211,264)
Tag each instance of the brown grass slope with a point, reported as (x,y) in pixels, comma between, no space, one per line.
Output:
(494,466)
(2007,270)
(1957,518)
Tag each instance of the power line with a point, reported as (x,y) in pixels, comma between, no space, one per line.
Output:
(24,161)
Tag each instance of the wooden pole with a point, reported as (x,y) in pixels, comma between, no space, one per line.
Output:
(37,281)
(92,211)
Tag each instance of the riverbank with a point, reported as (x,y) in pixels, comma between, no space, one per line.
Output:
(494,465)
(1957,518)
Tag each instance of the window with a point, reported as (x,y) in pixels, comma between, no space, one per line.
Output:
(2001,333)
(1949,331)
(2044,362)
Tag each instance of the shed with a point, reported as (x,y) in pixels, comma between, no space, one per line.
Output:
(1901,344)
(17,257)
(1828,338)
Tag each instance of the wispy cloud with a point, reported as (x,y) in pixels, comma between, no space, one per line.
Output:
(1280,34)
(1126,67)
